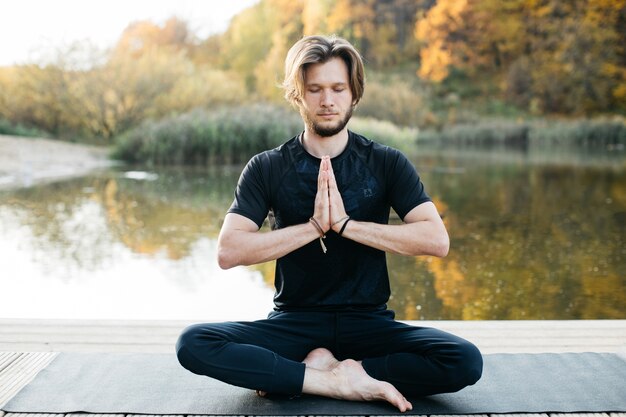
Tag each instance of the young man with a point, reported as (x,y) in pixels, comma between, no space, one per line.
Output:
(330,191)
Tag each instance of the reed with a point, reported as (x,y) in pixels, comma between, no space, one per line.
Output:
(202,137)
(17,129)
(233,135)
(600,133)
(385,132)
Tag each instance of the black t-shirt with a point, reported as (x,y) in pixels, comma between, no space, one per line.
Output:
(371,179)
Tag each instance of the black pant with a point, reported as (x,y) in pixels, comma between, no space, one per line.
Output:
(266,355)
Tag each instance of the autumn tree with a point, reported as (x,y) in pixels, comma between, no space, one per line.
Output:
(548,55)
(288,28)
(247,41)
(142,36)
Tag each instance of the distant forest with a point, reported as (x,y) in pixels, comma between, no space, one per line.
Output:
(429,64)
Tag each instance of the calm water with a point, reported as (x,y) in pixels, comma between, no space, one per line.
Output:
(533,237)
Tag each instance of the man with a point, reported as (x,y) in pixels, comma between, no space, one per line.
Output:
(330,191)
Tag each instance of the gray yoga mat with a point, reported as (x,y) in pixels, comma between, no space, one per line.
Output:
(156,384)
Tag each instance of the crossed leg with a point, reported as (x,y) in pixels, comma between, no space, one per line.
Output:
(267,355)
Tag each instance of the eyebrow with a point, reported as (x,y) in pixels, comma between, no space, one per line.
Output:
(338,83)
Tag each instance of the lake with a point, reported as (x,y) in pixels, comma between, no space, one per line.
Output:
(534,235)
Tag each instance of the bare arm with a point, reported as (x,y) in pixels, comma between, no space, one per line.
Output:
(423,231)
(240,242)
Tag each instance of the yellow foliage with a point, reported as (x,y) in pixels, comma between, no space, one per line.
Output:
(433,30)
(142,36)
(435,63)
(314,16)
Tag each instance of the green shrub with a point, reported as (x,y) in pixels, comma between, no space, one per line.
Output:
(8,128)
(385,132)
(583,133)
(202,137)
(586,133)
(480,134)
(399,102)
(233,135)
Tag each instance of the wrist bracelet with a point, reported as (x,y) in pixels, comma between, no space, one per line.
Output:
(321,232)
(340,220)
(344,226)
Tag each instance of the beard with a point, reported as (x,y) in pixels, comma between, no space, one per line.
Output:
(328,130)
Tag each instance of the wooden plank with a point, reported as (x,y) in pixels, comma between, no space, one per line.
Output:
(424,415)
(93,415)
(579,415)
(152,415)
(159,336)
(34,415)
(6,358)
(453,415)
(520,415)
(20,372)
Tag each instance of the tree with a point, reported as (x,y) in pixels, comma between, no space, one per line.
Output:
(142,36)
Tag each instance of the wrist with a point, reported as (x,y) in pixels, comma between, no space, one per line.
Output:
(317,226)
(321,232)
(340,225)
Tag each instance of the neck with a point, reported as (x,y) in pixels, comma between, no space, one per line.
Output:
(319,146)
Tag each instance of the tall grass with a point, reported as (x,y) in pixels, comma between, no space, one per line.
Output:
(16,129)
(482,134)
(201,137)
(601,133)
(585,133)
(385,132)
(232,135)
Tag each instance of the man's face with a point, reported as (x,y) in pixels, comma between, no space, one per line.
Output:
(327,103)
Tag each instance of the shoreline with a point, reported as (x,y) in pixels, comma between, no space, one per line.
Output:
(26,162)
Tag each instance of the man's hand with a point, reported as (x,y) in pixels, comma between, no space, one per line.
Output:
(329,209)
(321,211)
(337,210)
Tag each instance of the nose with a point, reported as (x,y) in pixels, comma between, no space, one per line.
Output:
(326,99)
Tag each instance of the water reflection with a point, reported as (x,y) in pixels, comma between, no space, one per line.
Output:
(112,247)
(529,241)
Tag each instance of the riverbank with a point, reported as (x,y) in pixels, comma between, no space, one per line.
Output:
(25,162)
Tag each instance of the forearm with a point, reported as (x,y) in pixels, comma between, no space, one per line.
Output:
(243,247)
(418,238)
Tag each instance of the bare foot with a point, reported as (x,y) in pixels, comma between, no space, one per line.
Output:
(357,385)
(349,381)
(321,359)
(261,393)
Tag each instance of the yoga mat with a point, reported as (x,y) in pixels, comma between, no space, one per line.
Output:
(157,384)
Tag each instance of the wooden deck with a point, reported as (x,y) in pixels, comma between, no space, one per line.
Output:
(528,336)
(27,346)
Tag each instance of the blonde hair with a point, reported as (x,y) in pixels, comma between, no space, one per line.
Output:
(318,50)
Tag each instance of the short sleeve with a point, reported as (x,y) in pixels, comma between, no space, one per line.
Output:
(252,197)
(406,190)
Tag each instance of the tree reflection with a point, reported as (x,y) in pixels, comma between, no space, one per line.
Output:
(165,216)
(527,242)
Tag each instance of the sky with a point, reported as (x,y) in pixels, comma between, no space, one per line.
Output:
(30,27)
